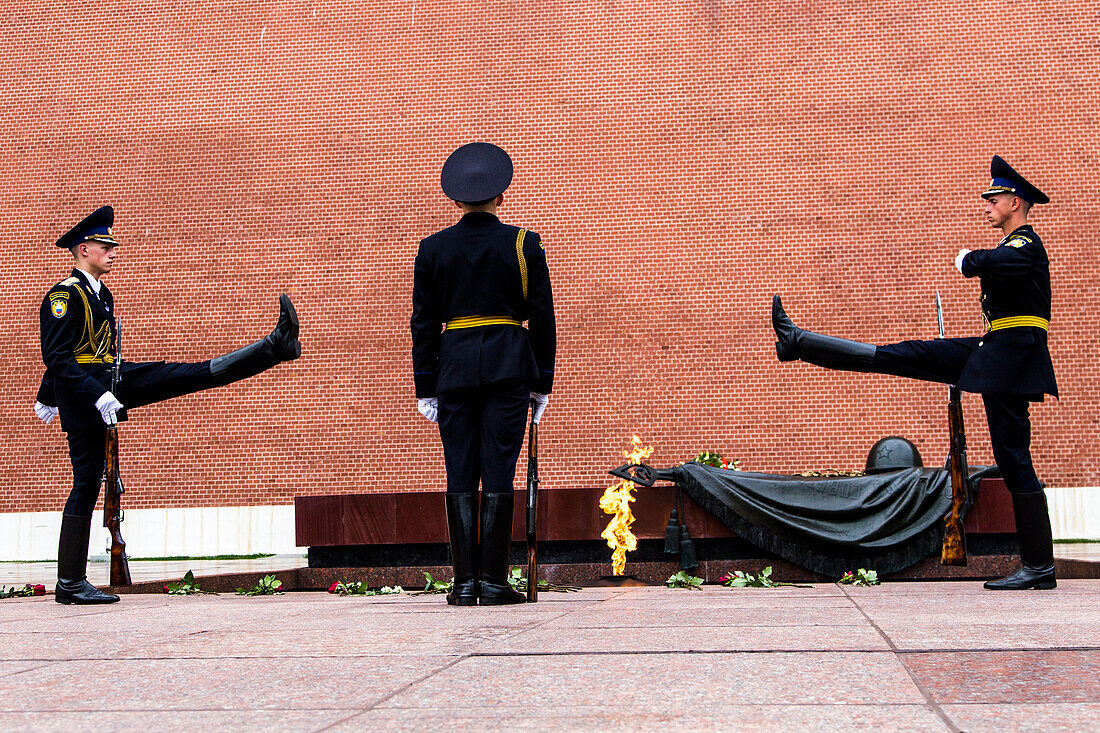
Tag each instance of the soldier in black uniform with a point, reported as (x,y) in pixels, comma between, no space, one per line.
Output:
(79,347)
(476,367)
(1009,366)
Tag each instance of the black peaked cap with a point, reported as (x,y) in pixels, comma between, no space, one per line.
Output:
(476,172)
(96,225)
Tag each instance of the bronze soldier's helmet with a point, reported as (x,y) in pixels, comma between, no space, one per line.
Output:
(892,453)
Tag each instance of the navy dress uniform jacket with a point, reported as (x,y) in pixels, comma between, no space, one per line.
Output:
(481,270)
(78,336)
(1015,278)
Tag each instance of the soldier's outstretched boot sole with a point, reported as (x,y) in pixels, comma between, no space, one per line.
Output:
(278,346)
(285,334)
(786,347)
(829,352)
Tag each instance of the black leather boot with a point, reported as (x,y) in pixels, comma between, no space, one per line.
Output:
(278,346)
(1036,546)
(72,565)
(496,550)
(462,530)
(824,351)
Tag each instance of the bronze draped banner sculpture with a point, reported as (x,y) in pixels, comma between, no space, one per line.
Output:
(826,524)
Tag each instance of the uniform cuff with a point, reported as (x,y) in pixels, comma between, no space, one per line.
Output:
(46,396)
(425,384)
(93,389)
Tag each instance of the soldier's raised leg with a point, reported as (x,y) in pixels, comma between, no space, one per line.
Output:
(938,360)
(943,360)
(150,382)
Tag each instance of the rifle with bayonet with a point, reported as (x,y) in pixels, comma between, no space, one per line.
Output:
(532,508)
(954,537)
(112,484)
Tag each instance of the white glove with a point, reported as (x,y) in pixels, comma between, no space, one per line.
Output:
(108,405)
(540,401)
(429,408)
(45,412)
(959,259)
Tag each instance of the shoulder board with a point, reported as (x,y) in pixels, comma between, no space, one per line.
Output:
(71,280)
(536,238)
(1018,241)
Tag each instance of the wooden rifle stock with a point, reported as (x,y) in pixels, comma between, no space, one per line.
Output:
(954,538)
(112,511)
(112,483)
(532,508)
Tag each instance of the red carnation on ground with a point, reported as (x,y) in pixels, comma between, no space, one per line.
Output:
(39,590)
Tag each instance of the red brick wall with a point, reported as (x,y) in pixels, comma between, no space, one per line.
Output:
(683,161)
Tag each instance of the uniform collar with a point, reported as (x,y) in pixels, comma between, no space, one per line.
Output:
(94,283)
(1022,229)
(478,217)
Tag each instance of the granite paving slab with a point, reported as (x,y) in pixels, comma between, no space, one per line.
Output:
(830,658)
(718,594)
(597,718)
(18,608)
(266,683)
(843,614)
(125,619)
(948,588)
(177,721)
(664,683)
(57,645)
(547,639)
(348,641)
(1021,607)
(1028,635)
(459,618)
(1036,718)
(1009,677)
(14,668)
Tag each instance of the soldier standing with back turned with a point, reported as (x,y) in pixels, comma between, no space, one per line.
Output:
(476,367)
(1009,366)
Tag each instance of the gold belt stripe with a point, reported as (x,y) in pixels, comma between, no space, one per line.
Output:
(93,359)
(1000,324)
(475,321)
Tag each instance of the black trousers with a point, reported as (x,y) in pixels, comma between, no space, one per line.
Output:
(482,433)
(942,360)
(142,384)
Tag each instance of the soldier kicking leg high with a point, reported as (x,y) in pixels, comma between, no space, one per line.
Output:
(1009,366)
(79,337)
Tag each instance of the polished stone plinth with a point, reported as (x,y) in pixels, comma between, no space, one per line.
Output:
(923,656)
(389,537)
